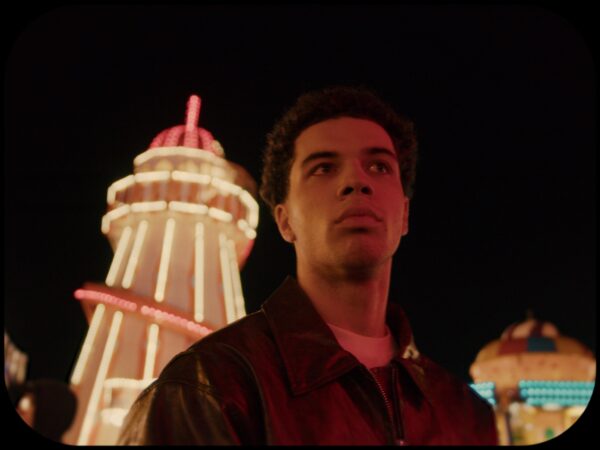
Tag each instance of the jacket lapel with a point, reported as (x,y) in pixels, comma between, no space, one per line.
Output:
(310,352)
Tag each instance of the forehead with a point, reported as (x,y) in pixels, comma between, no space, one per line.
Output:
(342,134)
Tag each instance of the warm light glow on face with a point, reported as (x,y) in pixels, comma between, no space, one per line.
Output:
(226,278)
(151,351)
(357,149)
(92,407)
(88,344)
(240,308)
(135,254)
(116,262)
(199,272)
(159,294)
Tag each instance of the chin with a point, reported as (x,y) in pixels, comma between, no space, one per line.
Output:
(363,258)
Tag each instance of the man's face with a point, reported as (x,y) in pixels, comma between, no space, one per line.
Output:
(346,209)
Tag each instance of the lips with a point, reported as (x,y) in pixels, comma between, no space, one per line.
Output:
(358,212)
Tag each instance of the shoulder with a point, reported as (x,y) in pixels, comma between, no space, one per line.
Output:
(205,390)
(241,334)
(221,367)
(230,353)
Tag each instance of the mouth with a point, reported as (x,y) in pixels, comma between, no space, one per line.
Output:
(358,214)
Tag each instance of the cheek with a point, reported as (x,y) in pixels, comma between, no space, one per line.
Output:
(308,225)
(397,220)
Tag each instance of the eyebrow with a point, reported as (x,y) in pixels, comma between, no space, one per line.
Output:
(319,155)
(327,154)
(381,151)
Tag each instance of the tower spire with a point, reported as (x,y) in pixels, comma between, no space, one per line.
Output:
(192,116)
(181,226)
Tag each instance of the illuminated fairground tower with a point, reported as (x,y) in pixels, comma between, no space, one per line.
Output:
(181,227)
(538,381)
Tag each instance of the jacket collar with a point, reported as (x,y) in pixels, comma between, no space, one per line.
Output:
(310,352)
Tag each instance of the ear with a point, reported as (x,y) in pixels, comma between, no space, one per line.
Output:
(282,218)
(405,217)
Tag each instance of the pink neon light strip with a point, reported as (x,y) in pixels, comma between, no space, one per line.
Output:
(159,139)
(188,135)
(103,297)
(163,316)
(206,138)
(157,314)
(190,139)
(193,113)
(172,137)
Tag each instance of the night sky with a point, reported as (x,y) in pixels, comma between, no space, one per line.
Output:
(503,98)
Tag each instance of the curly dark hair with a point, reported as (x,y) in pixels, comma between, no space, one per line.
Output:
(328,103)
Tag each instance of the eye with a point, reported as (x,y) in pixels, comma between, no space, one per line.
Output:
(380,167)
(322,169)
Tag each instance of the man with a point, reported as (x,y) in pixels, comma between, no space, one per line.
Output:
(327,360)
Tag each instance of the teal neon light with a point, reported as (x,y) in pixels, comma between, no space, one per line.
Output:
(556,384)
(485,390)
(562,393)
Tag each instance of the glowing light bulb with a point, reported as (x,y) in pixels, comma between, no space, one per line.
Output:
(135,254)
(116,263)
(159,294)
(199,272)
(92,406)
(88,344)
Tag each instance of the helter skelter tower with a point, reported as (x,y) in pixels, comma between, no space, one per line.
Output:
(180,226)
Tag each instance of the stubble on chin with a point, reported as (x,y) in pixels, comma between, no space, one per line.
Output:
(360,260)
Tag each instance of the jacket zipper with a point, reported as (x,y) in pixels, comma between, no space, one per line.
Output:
(397,440)
(401,440)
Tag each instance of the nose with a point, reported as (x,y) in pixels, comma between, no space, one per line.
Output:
(355,183)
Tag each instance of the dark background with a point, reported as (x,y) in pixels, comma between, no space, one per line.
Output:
(504,215)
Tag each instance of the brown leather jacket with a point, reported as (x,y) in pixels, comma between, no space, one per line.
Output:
(278,376)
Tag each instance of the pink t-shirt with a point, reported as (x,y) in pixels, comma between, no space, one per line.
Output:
(370,351)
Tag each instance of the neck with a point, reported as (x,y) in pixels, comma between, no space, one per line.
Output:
(353,301)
